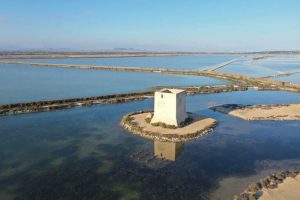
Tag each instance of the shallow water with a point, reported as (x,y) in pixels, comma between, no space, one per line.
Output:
(263,67)
(295,78)
(247,68)
(23,83)
(282,63)
(170,62)
(287,64)
(83,153)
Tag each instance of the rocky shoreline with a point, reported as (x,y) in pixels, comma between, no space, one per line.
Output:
(50,105)
(128,124)
(255,190)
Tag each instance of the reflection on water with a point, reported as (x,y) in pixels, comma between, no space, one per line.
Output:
(83,153)
(168,150)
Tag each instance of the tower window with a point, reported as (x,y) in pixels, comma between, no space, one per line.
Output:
(162,96)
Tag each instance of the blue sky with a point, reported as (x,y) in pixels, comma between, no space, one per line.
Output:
(163,25)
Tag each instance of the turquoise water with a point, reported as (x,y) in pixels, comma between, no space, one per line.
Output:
(23,83)
(83,153)
(171,62)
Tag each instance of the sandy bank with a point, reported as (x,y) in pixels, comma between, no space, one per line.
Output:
(277,186)
(289,189)
(262,112)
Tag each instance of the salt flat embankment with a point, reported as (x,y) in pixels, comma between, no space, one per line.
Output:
(55,104)
(219,66)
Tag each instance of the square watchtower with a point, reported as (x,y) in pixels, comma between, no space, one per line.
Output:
(169,107)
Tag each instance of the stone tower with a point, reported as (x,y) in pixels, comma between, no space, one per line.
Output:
(169,107)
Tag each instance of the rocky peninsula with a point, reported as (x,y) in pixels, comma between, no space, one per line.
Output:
(136,122)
